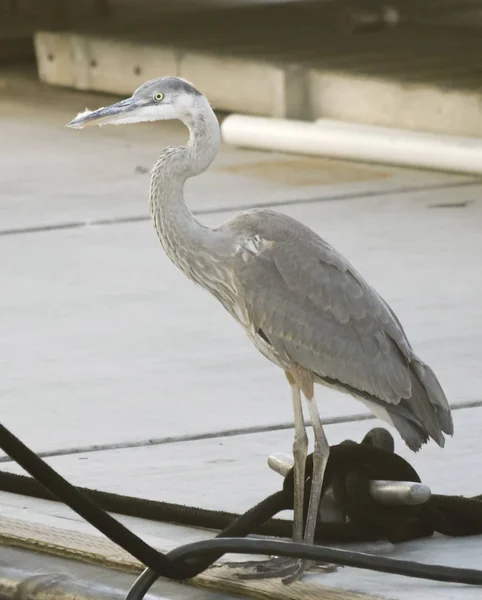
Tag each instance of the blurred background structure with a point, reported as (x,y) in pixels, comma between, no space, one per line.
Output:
(411,64)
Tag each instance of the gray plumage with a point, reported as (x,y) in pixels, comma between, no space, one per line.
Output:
(302,304)
(318,312)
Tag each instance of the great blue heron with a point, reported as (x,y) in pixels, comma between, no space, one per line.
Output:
(302,304)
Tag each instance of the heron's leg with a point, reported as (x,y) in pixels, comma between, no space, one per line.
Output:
(300,450)
(321,452)
(279,567)
(292,569)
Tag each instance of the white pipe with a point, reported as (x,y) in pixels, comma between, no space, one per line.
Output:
(356,142)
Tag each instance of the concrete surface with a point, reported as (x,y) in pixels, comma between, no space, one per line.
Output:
(104,345)
(99,318)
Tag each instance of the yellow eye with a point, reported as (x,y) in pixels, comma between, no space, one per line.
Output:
(159,97)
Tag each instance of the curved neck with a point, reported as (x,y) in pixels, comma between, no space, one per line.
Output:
(181,235)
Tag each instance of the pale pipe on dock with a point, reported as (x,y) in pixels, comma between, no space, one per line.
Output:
(356,142)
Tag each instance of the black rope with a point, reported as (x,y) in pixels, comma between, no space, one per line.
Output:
(350,468)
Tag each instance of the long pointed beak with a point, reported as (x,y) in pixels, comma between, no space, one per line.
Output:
(103,116)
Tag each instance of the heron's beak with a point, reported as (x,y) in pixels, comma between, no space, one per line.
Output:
(104,116)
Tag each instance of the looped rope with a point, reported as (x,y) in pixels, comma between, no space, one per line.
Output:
(454,516)
(351,467)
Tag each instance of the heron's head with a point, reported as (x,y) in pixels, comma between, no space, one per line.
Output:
(155,100)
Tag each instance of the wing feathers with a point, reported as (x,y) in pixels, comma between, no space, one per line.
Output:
(319,313)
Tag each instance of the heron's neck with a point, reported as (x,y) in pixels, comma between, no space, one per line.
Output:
(184,239)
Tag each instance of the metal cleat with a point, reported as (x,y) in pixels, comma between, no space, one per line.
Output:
(388,493)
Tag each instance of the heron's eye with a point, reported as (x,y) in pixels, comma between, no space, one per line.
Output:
(159,97)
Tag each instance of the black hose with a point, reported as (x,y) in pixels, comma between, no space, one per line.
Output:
(347,558)
(359,560)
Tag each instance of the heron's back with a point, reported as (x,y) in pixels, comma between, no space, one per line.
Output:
(306,305)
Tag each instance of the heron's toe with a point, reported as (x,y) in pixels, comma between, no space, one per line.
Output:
(288,569)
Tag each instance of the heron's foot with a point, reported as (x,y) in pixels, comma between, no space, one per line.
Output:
(289,569)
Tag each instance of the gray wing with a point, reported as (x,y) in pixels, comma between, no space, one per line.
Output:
(315,309)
